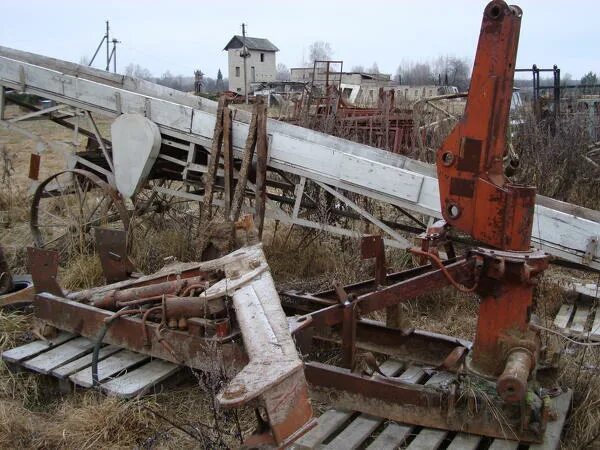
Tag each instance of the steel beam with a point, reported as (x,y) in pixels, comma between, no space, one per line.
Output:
(127,332)
(435,407)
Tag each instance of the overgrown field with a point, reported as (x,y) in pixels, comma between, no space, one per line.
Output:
(34,414)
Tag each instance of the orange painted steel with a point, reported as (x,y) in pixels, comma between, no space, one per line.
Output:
(476,197)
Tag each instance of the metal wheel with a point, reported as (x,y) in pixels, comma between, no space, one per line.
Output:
(68,205)
(165,204)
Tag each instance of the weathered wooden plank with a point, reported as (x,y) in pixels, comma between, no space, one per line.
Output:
(34,348)
(580,319)
(501,444)
(83,362)
(391,367)
(362,426)
(587,290)
(59,355)
(440,379)
(428,439)
(108,367)
(562,403)
(464,441)
(391,437)
(412,375)
(355,433)
(139,380)
(564,315)
(327,424)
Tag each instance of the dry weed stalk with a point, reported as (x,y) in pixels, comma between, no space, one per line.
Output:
(552,157)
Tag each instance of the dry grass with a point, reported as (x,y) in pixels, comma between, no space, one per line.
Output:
(552,159)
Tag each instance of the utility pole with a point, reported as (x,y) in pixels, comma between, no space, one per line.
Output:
(105,37)
(244,55)
(113,55)
(109,55)
(107,48)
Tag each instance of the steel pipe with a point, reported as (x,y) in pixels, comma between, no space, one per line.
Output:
(512,384)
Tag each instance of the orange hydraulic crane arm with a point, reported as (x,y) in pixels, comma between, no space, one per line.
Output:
(476,197)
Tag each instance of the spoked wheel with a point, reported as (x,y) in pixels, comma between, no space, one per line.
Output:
(68,205)
(165,204)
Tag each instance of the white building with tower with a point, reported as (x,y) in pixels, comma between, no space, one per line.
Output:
(261,64)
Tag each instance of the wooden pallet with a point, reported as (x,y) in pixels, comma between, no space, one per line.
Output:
(581,319)
(68,357)
(349,430)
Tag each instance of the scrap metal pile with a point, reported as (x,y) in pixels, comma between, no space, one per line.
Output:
(226,312)
(384,126)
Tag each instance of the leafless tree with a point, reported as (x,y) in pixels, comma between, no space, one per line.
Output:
(452,71)
(137,71)
(417,74)
(319,51)
(283,73)
(374,69)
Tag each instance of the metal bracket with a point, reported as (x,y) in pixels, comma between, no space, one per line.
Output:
(112,249)
(43,265)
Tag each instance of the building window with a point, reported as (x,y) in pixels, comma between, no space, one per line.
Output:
(262,57)
(252,74)
(237,71)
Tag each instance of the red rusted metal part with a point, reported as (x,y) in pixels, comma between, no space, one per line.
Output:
(349,335)
(22,293)
(185,307)
(94,295)
(43,265)
(512,384)
(118,298)
(476,197)
(434,238)
(372,247)
(329,296)
(96,180)
(222,327)
(128,332)
(435,407)
(34,166)
(418,346)
(455,358)
(506,290)
(112,250)
(461,271)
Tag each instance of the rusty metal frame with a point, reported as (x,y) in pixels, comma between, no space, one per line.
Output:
(428,406)
(194,351)
(255,343)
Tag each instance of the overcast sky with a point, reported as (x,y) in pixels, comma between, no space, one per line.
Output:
(181,36)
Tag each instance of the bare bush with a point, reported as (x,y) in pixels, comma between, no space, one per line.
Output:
(552,158)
